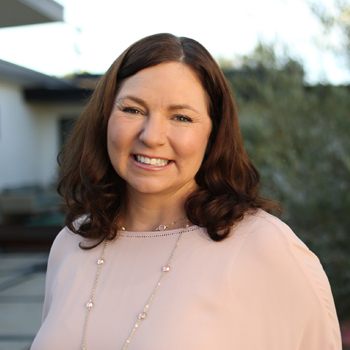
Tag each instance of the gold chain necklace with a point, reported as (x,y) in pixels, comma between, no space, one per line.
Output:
(160,227)
(90,304)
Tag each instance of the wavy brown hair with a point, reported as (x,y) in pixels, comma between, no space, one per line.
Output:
(228,183)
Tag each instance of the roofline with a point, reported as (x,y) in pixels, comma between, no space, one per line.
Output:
(29,78)
(42,95)
(15,13)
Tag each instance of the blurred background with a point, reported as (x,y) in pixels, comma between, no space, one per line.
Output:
(288,64)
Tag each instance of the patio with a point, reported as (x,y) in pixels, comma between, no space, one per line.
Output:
(22,288)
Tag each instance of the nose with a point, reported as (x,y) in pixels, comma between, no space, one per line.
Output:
(154,131)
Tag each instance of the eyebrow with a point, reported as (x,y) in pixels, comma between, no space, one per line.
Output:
(132,98)
(143,103)
(182,106)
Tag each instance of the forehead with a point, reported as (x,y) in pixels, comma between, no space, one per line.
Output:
(171,82)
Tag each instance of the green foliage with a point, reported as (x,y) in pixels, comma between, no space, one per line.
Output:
(335,19)
(298,137)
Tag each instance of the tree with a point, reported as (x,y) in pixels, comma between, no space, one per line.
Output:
(335,19)
(297,136)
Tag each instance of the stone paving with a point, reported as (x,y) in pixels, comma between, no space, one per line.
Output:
(22,288)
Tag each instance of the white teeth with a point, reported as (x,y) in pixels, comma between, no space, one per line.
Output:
(152,161)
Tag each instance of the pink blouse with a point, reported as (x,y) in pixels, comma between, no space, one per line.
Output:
(259,289)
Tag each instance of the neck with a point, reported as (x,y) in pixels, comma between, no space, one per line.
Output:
(146,212)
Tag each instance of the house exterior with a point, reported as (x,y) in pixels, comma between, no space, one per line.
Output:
(35,109)
(30,131)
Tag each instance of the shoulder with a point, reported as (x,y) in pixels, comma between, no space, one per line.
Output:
(64,246)
(270,243)
(288,277)
(273,251)
(262,220)
(65,238)
(67,245)
(266,234)
(278,264)
(65,242)
(68,242)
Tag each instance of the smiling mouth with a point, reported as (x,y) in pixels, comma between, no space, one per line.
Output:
(151,161)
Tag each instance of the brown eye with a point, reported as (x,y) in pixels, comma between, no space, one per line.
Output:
(131,110)
(183,118)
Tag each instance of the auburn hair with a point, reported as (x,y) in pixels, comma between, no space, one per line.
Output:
(228,183)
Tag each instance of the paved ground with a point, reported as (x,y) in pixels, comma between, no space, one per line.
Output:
(22,282)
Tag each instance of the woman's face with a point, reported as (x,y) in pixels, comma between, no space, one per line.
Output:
(158,130)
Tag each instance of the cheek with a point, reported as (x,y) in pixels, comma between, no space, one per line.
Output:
(111,137)
(114,141)
(116,135)
(193,148)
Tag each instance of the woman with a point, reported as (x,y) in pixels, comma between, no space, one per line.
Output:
(168,243)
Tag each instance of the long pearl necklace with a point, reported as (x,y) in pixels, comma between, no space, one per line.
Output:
(90,304)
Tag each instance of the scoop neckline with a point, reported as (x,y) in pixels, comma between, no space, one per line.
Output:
(154,234)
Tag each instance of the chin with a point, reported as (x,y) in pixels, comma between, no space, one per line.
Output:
(148,188)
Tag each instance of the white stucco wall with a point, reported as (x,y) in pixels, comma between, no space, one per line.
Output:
(18,139)
(29,138)
(48,118)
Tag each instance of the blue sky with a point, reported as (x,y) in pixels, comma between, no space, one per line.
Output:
(96,32)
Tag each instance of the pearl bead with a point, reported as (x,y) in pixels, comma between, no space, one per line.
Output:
(142,315)
(100,262)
